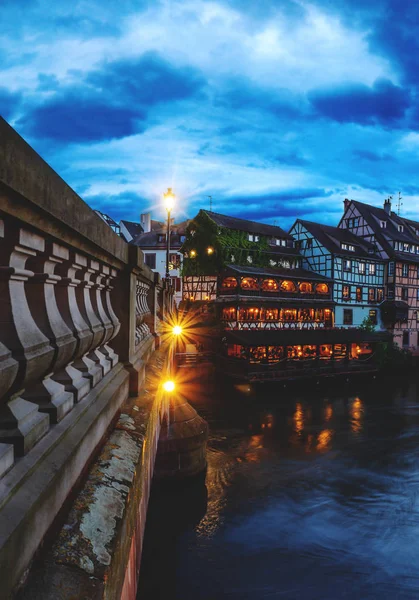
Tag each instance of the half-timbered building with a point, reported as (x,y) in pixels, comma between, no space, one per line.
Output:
(396,240)
(353,264)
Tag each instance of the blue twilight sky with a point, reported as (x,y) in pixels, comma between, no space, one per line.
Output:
(276,108)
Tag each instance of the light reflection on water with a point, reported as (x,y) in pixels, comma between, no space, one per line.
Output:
(309,497)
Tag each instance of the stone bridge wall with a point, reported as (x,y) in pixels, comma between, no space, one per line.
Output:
(79,315)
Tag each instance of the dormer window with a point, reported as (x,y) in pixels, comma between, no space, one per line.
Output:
(344,246)
(348,247)
(383,224)
(400,228)
(405,247)
(161,238)
(252,237)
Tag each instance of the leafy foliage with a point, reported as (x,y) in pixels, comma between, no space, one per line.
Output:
(229,245)
(390,357)
(367,325)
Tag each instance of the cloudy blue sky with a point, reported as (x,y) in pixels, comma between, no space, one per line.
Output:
(277,108)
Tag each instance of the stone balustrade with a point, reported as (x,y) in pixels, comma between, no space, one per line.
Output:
(78,322)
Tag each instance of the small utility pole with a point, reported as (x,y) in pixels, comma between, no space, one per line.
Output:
(210,199)
(399,204)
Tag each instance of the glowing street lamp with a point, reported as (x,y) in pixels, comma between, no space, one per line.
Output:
(177,330)
(210,250)
(169,201)
(169,386)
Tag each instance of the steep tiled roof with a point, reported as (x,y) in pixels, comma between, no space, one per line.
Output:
(249,226)
(133,228)
(332,238)
(150,239)
(386,236)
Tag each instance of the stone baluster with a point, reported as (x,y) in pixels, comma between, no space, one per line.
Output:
(21,423)
(142,329)
(107,325)
(85,294)
(8,372)
(50,395)
(105,297)
(78,375)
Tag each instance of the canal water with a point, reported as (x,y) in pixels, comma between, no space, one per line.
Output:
(311,493)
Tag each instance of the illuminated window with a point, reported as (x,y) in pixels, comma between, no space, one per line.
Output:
(229,283)
(275,353)
(258,354)
(289,314)
(380,294)
(229,314)
(270,314)
(346,292)
(269,285)
(325,351)
(371,268)
(306,288)
(373,316)
(371,295)
(359,294)
(347,266)
(322,288)
(288,286)
(248,283)
(360,351)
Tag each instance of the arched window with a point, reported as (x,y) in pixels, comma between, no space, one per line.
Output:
(249,283)
(229,283)
(322,288)
(270,285)
(288,286)
(306,288)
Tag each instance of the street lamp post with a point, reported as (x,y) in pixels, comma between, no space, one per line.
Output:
(169,198)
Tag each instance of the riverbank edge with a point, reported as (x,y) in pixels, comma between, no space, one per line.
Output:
(97,552)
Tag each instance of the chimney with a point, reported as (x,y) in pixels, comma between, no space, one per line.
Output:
(146,222)
(387,206)
(346,203)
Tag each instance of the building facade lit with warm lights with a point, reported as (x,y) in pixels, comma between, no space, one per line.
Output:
(396,240)
(352,263)
(278,318)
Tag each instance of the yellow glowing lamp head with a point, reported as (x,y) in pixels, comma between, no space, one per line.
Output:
(193,253)
(177,330)
(169,386)
(210,250)
(169,199)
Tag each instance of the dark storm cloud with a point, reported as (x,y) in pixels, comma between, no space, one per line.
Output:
(111,102)
(146,81)
(384,103)
(285,204)
(291,159)
(371,156)
(72,118)
(118,206)
(9,103)
(241,94)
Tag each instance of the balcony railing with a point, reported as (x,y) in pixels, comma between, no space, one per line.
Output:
(249,325)
(238,291)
